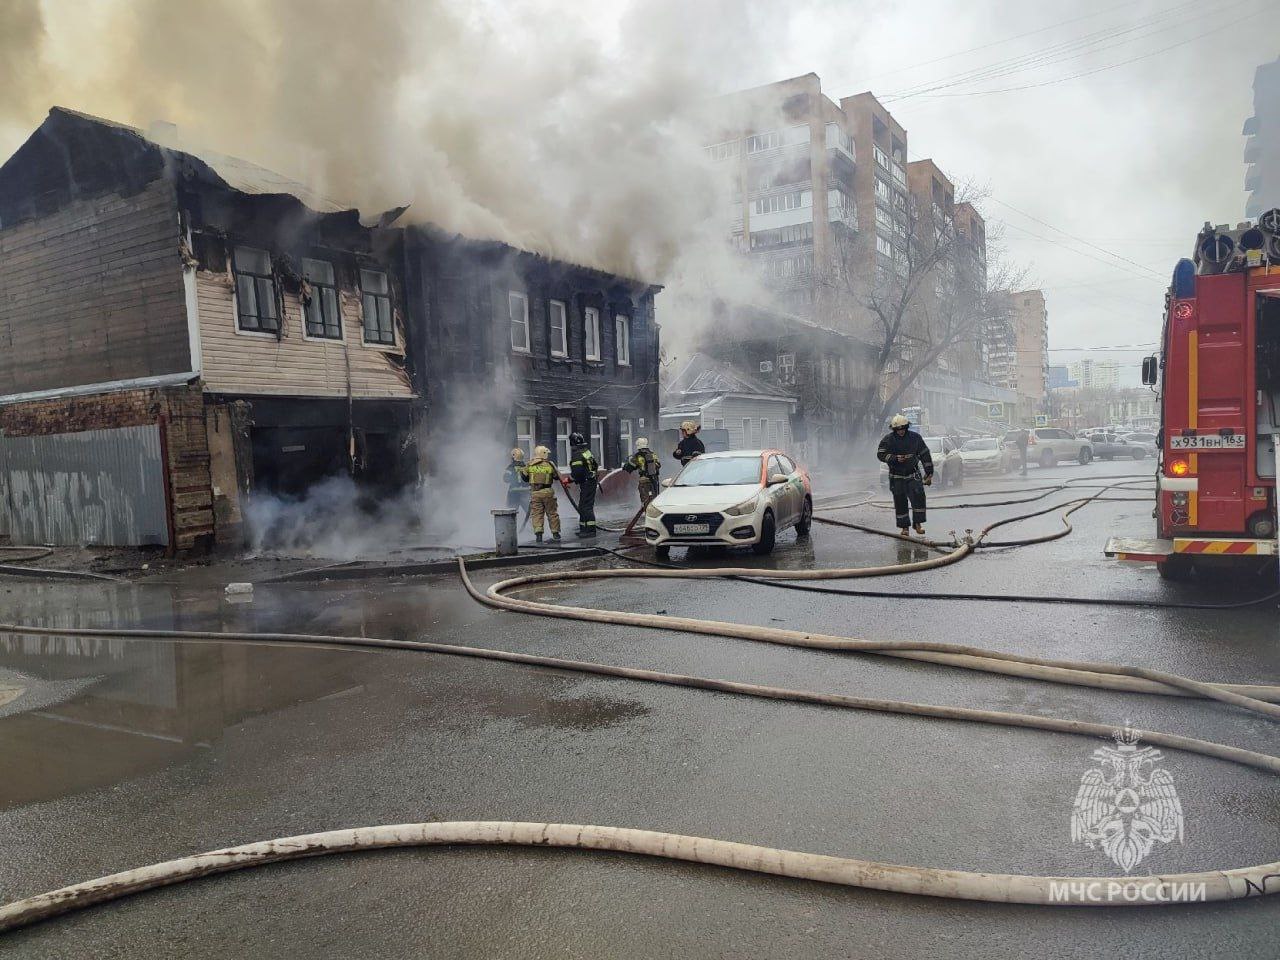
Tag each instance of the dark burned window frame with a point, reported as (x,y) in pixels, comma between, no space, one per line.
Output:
(372,304)
(258,283)
(322,314)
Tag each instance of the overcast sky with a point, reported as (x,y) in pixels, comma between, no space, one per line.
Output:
(1132,160)
(1105,133)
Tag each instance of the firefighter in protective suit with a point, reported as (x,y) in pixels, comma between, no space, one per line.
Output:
(645,463)
(906,454)
(542,474)
(517,485)
(583,468)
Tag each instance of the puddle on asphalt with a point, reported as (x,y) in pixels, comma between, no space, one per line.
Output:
(79,713)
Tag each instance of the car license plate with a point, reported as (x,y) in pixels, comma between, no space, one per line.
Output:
(680,528)
(1208,442)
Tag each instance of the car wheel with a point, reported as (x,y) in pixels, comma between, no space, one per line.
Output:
(1085,456)
(768,533)
(805,523)
(1046,459)
(1175,569)
(1139,454)
(662,553)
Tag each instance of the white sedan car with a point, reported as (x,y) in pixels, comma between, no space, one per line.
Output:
(734,498)
(985,455)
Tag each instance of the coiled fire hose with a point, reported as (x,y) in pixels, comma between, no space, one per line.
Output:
(1005,888)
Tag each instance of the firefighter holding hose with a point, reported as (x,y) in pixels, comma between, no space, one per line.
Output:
(541,473)
(517,485)
(583,468)
(645,463)
(906,454)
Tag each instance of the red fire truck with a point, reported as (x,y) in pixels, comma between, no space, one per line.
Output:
(1218,378)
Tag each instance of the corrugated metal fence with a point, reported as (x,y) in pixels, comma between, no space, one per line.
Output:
(103,487)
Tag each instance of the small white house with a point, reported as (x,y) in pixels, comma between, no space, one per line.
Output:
(755,413)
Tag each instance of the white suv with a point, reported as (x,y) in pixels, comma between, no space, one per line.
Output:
(1049,445)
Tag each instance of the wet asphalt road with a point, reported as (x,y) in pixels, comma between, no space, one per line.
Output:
(119,754)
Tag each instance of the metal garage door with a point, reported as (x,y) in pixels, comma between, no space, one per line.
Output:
(103,487)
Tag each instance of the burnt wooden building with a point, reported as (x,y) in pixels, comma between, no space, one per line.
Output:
(250,331)
(517,346)
(207,329)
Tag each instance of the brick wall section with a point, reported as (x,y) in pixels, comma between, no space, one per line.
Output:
(182,411)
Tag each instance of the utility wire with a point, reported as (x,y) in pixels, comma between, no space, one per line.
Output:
(1110,66)
(1058,52)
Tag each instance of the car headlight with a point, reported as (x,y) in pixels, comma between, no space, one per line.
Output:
(652,512)
(744,508)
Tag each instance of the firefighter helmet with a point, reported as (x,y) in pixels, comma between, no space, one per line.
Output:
(517,453)
(642,443)
(577,439)
(541,453)
(689,427)
(899,421)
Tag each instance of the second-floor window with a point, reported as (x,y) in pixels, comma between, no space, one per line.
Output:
(622,331)
(322,316)
(256,309)
(376,300)
(591,333)
(518,309)
(559,329)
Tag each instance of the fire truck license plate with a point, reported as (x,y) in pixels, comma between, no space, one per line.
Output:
(1211,442)
(692,528)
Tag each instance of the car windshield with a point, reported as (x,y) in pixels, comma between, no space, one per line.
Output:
(719,472)
(935,444)
(979,445)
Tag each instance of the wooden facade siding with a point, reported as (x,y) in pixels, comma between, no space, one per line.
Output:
(93,293)
(234,362)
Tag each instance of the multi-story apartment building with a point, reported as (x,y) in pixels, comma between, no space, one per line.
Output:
(1030,322)
(789,151)
(1262,146)
(1096,374)
(185,330)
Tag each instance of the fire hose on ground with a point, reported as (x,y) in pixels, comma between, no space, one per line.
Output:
(1235,883)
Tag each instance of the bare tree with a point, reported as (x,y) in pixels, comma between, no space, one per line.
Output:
(920,300)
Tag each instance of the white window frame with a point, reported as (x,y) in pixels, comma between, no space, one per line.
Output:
(883,246)
(882,190)
(591,333)
(622,338)
(558,335)
(595,438)
(526,435)
(564,427)
(514,297)
(626,444)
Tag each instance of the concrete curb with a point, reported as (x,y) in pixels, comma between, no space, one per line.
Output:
(44,573)
(474,562)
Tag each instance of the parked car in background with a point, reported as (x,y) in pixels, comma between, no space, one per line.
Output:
(1108,446)
(986,455)
(735,498)
(1049,445)
(1143,439)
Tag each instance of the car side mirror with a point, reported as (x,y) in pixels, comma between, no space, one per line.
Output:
(1150,371)
(777,478)
(668,482)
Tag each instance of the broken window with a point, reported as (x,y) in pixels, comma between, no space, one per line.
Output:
(524,436)
(564,427)
(323,318)
(591,338)
(256,308)
(622,332)
(597,439)
(518,310)
(559,329)
(624,438)
(376,301)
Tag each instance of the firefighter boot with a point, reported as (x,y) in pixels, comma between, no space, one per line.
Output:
(537,537)
(555,535)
